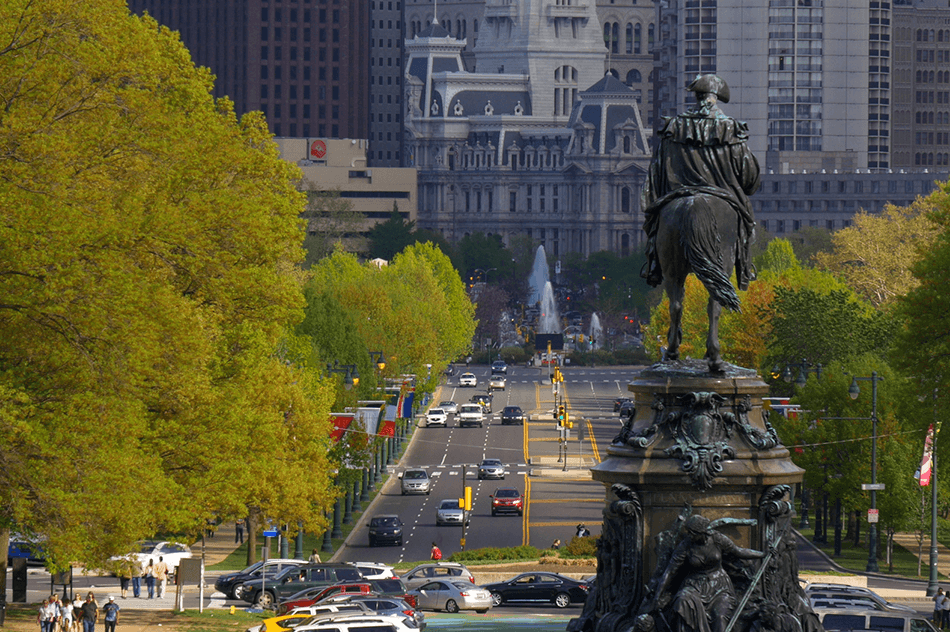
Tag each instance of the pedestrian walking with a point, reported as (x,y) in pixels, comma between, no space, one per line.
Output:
(48,615)
(90,613)
(137,573)
(110,614)
(945,610)
(150,578)
(239,531)
(314,557)
(77,613)
(161,576)
(938,610)
(65,617)
(436,552)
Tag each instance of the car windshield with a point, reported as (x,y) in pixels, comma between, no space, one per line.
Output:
(386,522)
(449,504)
(491,462)
(148,547)
(512,410)
(442,404)
(507,493)
(415,474)
(462,585)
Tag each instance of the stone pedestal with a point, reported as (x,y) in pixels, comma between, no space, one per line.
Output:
(698,443)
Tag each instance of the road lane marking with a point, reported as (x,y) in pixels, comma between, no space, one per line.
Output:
(561,523)
(569,500)
(525,533)
(593,441)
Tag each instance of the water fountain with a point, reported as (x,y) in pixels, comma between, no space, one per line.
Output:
(539,277)
(549,322)
(596,332)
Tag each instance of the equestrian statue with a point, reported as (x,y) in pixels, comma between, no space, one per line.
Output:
(698,217)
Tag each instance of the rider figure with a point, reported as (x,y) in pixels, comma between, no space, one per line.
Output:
(702,151)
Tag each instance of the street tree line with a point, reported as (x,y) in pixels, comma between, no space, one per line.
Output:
(163,347)
(874,300)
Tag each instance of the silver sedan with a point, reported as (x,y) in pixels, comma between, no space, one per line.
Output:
(452,596)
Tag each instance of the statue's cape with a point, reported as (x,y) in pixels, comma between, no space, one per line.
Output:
(704,127)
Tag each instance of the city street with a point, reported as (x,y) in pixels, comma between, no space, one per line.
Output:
(556,500)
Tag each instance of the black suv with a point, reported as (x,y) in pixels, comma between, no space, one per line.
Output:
(512,415)
(385,529)
(295,579)
(231,583)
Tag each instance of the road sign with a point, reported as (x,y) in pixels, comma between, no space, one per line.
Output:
(873,487)
(270,533)
(873,515)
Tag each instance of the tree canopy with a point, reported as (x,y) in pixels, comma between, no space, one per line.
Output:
(148,250)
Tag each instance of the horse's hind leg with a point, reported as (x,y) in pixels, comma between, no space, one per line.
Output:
(675,292)
(713,357)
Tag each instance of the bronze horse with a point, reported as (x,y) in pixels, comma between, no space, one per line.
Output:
(698,234)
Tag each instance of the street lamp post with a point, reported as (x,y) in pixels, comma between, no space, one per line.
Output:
(932,580)
(853,392)
(351,377)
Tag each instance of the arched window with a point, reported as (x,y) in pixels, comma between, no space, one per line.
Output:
(637,36)
(629,40)
(625,245)
(458,29)
(650,31)
(615,38)
(474,26)
(633,77)
(625,200)
(626,144)
(606,34)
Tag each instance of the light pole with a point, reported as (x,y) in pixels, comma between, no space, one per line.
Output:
(351,377)
(932,580)
(853,392)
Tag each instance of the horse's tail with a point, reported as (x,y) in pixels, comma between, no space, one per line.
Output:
(705,258)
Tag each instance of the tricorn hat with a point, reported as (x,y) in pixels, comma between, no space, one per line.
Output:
(710,84)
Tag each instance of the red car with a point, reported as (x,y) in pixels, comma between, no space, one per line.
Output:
(311,596)
(507,499)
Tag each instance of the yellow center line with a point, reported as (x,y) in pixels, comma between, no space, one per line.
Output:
(570,500)
(593,442)
(525,534)
(561,523)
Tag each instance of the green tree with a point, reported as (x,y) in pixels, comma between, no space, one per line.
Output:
(148,245)
(390,237)
(331,220)
(875,254)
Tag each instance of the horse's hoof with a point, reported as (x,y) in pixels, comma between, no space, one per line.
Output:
(717,367)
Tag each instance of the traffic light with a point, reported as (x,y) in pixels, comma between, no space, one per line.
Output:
(468,499)
(561,416)
(567,420)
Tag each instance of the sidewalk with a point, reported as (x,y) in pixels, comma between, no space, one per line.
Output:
(218,547)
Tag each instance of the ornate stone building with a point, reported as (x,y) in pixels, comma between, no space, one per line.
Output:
(521,147)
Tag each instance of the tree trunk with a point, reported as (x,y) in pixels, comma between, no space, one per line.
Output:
(890,550)
(251,523)
(857,528)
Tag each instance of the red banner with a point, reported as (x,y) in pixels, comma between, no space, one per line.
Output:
(341,421)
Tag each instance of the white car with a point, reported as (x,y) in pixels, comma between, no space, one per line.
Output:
(374,570)
(497,382)
(436,417)
(449,512)
(491,468)
(360,622)
(449,407)
(468,379)
(171,552)
(471,415)
(452,596)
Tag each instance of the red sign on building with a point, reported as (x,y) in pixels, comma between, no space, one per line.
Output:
(318,149)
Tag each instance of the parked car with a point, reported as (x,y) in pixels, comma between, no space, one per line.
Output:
(497,383)
(375,570)
(311,596)
(230,583)
(449,407)
(389,587)
(26,546)
(539,588)
(847,619)
(449,512)
(294,579)
(468,379)
(841,592)
(452,596)
(471,415)
(512,415)
(424,573)
(619,402)
(353,622)
(385,529)
(491,468)
(507,500)
(302,616)
(393,606)
(172,553)
(484,400)
(499,366)
(436,417)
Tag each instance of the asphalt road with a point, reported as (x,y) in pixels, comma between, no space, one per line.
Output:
(556,500)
